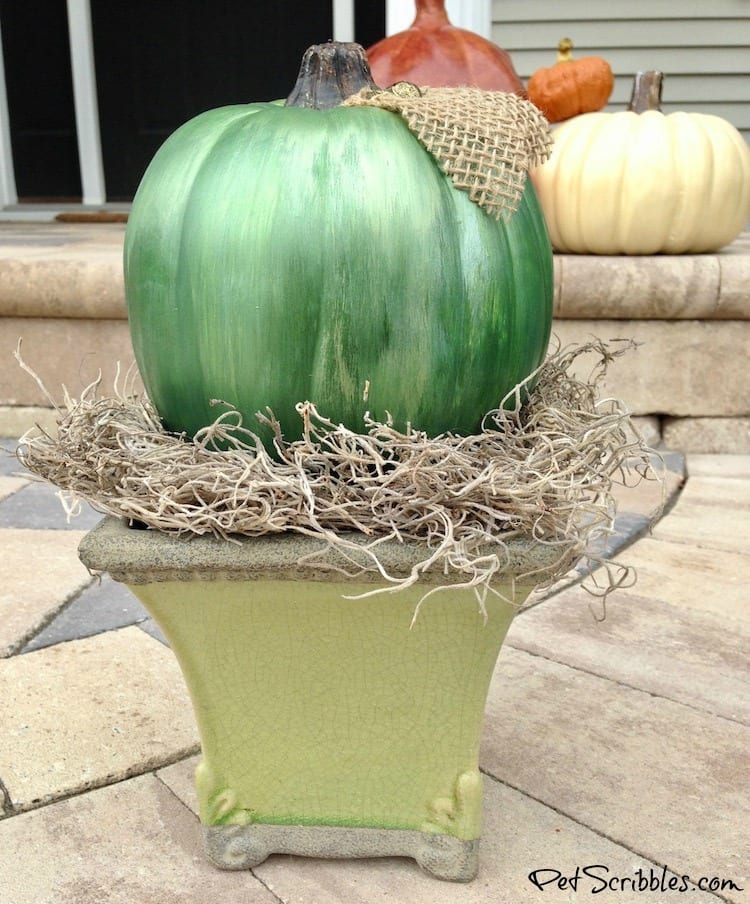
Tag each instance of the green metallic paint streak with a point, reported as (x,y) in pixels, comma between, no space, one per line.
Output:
(151,261)
(276,255)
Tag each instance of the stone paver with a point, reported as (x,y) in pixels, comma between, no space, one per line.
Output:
(41,572)
(104,606)
(88,713)
(17,419)
(520,836)
(83,350)
(55,270)
(716,491)
(38,506)
(681,286)
(665,780)
(649,496)
(11,485)
(707,434)
(644,642)
(130,843)
(668,372)
(737,466)
(707,526)
(690,577)
(734,266)
(9,465)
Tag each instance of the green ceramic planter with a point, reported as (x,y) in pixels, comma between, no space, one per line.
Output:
(329,726)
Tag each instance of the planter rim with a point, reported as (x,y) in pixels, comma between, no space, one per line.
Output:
(136,556)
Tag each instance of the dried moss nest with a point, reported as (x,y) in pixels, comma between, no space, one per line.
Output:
(543,467)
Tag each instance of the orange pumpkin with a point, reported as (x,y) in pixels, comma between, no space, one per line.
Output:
(435,53)
(571,87)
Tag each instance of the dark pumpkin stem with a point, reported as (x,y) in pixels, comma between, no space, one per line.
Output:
(329,74)
(646,91)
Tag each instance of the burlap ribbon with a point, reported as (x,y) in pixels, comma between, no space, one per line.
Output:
(486,141)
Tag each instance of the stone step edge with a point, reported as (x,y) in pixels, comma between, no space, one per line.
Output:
(87,283)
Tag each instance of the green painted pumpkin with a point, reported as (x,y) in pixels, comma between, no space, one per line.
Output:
(283,253)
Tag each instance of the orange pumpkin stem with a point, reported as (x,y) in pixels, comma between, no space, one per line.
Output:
(646,91)
(430,14)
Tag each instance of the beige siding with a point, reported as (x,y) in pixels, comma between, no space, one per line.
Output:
(702,48)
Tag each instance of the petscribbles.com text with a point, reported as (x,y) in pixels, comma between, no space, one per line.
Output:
(597,878)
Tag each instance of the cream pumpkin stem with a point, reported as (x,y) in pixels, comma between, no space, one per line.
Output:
(330,73)
(646,91)
(564,50)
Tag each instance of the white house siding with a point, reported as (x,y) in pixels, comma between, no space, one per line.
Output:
(702,48)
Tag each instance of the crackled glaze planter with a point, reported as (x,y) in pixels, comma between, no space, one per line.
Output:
(330,727)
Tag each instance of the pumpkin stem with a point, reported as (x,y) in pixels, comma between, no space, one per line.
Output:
(330,73)
(564,50)
(646,91)
(430,14)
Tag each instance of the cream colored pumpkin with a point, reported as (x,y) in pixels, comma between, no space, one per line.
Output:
(645,183)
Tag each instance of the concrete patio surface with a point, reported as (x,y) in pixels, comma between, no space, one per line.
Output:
(617,748)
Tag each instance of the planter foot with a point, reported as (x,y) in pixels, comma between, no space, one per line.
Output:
(244,847)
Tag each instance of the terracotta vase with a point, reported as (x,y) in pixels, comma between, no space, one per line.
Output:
(435,53)
(330,726)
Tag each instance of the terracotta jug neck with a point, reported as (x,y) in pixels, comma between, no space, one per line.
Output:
(430,14)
